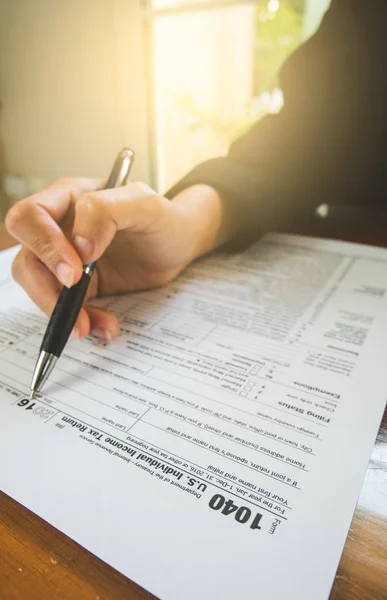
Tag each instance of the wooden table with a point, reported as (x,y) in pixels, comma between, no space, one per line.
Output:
(39,563)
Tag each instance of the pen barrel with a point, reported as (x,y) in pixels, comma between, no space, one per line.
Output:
(64,316)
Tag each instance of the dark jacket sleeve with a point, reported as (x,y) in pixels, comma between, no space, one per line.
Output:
(315,150)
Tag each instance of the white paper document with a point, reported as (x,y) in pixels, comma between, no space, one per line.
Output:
(217,448)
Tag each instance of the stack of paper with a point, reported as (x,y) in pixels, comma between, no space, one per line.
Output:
(218,447)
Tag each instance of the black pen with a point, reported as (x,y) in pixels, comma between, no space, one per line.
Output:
(71,299)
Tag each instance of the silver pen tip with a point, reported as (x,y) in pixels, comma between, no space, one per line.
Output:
(32,394)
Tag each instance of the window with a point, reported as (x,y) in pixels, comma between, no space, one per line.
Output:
(213,70)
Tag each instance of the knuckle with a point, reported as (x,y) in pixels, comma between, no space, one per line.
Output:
(143,186)
(144,189)
(155,204)
(16,217)
(106,201)
(84,205)
(44,248)
(95,205)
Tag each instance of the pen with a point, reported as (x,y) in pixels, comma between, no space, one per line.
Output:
(71,299)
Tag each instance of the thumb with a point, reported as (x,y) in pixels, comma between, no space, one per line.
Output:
(99,215)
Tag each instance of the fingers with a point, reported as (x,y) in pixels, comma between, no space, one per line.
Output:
(99,215)
(57,197)
(34,223)
(34,228)
(44,289)
(41,286)
(48,257)
(103,324)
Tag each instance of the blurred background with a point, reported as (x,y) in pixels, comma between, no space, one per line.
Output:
(177,80)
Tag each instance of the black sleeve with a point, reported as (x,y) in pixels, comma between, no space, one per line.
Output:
(314,150)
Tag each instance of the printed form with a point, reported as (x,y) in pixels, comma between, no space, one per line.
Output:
(217,448)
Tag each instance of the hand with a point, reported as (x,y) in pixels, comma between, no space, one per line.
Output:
(140,239)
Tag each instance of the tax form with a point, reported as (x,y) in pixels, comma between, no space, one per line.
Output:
(217,448)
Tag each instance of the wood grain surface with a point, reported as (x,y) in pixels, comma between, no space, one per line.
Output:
(39,563)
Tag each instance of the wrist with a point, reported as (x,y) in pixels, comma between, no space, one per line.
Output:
(202,213)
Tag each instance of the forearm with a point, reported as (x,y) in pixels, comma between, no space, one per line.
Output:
(315,150)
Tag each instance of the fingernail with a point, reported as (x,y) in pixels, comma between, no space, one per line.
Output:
(65,274)
(102,334)
(75,333)
(85,247)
